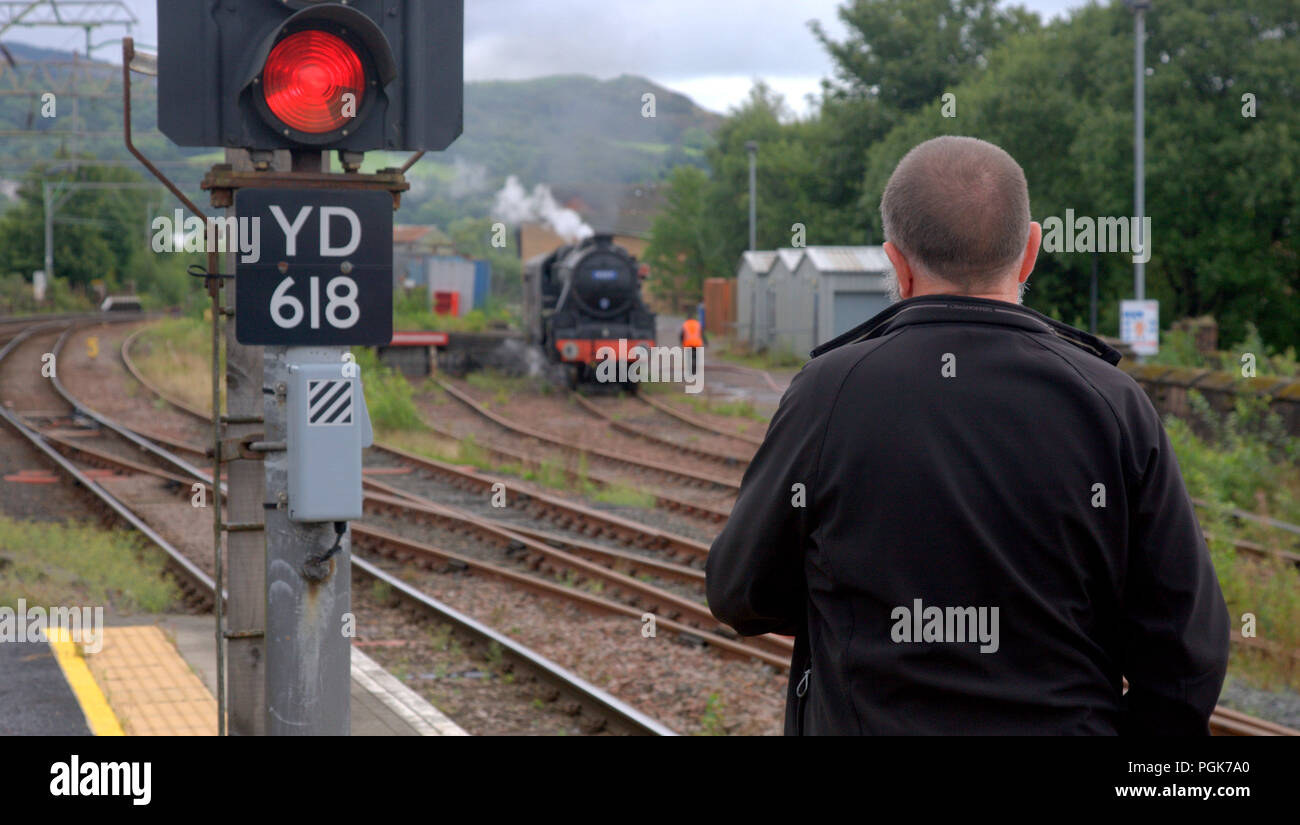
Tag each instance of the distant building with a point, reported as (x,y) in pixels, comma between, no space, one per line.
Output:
(799,298)
(751,296)
(412,247)
(425,260)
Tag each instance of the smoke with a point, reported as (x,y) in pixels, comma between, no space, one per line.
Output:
(517,358)
(514,205)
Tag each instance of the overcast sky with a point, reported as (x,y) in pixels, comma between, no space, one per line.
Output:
(711,50)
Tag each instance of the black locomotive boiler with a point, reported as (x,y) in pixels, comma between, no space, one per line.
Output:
(583,297)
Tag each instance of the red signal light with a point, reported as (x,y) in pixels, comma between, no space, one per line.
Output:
(307,78)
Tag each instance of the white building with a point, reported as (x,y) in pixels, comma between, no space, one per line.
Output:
(807,296)
(851,284)
(751,295)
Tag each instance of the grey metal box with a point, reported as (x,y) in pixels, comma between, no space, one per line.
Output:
(328,428)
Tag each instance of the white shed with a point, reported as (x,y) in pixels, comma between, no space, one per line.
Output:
(792,308)
(850,285)
(751,296)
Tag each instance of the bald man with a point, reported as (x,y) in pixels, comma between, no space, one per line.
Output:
(968,518)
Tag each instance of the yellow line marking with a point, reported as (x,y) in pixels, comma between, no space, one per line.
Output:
(99,715)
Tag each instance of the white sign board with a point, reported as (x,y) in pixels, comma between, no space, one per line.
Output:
(38,285)
(1139,325)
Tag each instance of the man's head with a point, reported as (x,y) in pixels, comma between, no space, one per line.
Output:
(956,218)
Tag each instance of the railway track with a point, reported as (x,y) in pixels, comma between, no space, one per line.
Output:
(527,551)
(536,504)
(697,422)
(604,711)
(68,450)
(1224,722)
(726,459)
(693,478)
(1240,545)
(535,500)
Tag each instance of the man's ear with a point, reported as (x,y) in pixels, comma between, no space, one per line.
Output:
(901,268)
(1031,250)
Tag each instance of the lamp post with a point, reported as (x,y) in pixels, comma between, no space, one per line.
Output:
(752,148)
(1139,8)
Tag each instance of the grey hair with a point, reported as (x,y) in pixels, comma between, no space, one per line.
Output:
(958,207)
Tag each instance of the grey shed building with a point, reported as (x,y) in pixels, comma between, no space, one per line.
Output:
(809,295)
(851,284)
(751,296)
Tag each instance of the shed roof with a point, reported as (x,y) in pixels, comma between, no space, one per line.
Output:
(426,238)
(759,261)
(790,257)
(848,258)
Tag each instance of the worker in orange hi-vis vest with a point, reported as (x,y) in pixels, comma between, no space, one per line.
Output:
(693,338)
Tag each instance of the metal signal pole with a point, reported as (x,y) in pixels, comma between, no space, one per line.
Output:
(245,548)
(308,657)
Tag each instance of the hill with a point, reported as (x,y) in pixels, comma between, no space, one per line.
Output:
(569,129)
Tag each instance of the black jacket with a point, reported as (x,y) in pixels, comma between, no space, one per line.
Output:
(970,453)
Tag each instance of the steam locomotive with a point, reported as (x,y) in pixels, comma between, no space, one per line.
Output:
(582,297)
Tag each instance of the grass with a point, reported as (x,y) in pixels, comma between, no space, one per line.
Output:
(711,721)
(389,396)
(51,564)
(176,354)
(547,473)
(412,312)
(732,408)
(736,352)
(739,408)
(381,591)
(1178,349)
(465,451)
(1267,590)
(503,386)
(623,496)
(1246,460)
(172,358)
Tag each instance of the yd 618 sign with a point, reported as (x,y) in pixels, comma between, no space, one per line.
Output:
(324,272)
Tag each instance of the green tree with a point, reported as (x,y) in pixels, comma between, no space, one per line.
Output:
(98,233)
(811,171)
(1221,188)
(684,245)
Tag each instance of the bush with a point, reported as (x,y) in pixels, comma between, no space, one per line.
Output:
(389,396)
(1245,458)
(16,297)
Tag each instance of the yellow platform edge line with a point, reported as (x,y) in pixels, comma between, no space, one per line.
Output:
(100,717)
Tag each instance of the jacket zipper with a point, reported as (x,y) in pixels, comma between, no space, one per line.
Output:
(801,693)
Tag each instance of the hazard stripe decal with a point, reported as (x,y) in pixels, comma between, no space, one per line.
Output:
(329,402)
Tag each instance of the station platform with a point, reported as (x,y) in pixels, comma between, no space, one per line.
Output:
(158,679)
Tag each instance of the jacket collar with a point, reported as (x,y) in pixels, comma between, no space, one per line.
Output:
(962,309)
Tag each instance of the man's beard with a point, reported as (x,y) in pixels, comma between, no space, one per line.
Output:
(895,292)
(891,284)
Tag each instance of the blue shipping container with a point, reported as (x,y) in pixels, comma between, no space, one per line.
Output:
(482,283)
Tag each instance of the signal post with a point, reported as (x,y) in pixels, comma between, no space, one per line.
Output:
(290,81)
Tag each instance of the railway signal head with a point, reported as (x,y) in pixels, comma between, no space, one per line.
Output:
(306,74)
